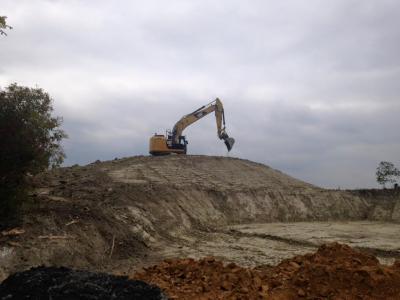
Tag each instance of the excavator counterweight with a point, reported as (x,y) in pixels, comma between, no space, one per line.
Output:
(175,142)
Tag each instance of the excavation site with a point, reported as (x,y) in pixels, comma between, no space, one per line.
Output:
(203,227)
(199,150)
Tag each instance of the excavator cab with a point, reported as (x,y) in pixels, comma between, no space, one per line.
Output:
(181,144)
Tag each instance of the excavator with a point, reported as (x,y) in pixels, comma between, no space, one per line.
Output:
(175,142)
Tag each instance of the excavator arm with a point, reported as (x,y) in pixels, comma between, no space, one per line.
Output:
(189,119)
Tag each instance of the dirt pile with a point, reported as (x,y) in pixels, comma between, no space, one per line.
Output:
(205,279)
(63,284)
(127,213)
(186,192)
(335,271)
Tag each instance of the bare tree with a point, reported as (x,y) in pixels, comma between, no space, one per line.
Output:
(386,172)
(3,25)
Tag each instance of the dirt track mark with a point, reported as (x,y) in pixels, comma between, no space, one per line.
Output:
(273,238)
(294,242)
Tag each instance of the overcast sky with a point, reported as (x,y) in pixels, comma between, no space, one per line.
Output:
(309,87)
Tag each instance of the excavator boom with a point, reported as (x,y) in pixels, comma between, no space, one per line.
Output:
(175,142)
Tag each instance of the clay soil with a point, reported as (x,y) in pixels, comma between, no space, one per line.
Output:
(334,271)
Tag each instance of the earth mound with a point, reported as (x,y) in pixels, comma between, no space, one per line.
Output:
(119,215)
(62,284)
(335,271)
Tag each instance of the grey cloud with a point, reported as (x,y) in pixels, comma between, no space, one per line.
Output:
(309,87)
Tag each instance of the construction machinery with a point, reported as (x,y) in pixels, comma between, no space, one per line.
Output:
(175,142)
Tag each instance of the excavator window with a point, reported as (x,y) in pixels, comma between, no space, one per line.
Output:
(182,140)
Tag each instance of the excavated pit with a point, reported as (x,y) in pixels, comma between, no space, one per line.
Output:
(121,215)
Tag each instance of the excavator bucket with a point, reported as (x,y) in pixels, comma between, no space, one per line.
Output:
(229,143)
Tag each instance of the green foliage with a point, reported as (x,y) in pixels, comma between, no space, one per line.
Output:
(29,141)
(3,25)
(386,172)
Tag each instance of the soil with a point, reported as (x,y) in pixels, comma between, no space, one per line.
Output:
(63,284)
(334,271)
(122,215)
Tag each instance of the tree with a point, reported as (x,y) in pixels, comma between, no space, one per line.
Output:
(386,172)
(3,25)
(29,142)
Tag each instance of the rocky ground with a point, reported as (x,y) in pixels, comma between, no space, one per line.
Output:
(122,215)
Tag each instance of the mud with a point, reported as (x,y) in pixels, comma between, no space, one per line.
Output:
(62,284)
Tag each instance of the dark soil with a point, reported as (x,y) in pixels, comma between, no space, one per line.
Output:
(63,283)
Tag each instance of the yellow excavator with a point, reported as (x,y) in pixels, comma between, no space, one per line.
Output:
(175,142)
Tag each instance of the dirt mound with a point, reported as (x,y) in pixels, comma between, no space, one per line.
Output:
(121,214)
(185,192)
(335,271)
(205,279)
(63,283)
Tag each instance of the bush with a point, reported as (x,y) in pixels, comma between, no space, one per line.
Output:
(29,143)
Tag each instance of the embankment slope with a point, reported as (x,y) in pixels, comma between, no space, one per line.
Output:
(109,215)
